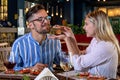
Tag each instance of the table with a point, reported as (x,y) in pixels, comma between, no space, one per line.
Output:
(72,75)
(18,76)
(15,76)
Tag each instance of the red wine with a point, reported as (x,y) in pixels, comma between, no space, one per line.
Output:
(9,65)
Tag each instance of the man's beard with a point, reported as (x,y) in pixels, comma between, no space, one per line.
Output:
(43,31)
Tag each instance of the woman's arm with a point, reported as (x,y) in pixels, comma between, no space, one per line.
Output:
(72,45)
(69,38)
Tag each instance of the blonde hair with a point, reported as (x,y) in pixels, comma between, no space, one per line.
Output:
(104,29)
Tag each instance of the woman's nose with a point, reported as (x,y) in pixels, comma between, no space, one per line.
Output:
(84,27)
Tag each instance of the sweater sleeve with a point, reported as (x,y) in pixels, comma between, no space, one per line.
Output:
(98,54)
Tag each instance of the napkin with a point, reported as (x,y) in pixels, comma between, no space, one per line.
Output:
(46,72)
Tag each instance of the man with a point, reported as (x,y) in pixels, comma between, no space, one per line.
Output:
(34,49)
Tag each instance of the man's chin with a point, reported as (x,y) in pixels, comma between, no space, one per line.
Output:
(44,32)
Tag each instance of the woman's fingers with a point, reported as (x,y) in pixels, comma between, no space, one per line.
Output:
(66,32)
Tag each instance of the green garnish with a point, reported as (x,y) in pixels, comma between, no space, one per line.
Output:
(25,77)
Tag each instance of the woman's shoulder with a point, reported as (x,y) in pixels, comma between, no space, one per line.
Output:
(102,43)
(106,46)
(106,43)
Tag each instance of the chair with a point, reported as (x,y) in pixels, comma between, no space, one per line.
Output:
(4,51)
(4,44)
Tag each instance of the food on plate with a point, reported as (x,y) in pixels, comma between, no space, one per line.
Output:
(28,70)
(10,71)
(93,77)
(83,74)
(35,72)
(24,71)
(88,76)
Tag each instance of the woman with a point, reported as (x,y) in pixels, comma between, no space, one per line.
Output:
(101,56)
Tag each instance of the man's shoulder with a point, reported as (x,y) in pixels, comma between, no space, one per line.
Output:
(24,37)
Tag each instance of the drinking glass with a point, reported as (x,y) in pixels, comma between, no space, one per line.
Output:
(7,64)
(65,63)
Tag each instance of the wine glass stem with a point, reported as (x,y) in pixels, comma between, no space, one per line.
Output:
(66,75)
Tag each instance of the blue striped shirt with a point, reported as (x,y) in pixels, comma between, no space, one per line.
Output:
(26,52)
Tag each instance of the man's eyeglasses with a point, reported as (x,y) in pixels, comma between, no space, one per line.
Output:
(42,19)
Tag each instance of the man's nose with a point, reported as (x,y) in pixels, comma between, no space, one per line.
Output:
(44,21)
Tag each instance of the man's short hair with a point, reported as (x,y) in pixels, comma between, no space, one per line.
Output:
(33,10)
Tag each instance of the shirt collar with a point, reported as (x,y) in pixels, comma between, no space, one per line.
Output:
(30,36)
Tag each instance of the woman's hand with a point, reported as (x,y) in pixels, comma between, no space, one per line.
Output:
(69,38)
(66,32)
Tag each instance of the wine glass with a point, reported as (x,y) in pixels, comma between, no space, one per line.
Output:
(65,63)
(9,65)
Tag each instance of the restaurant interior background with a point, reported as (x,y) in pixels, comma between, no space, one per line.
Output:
(63,12)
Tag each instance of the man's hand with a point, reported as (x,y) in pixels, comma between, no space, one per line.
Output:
(39,66)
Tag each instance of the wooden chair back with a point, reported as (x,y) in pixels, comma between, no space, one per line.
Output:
(4,44)
(4,52)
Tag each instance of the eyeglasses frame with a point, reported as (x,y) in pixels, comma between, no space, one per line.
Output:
(42,19)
